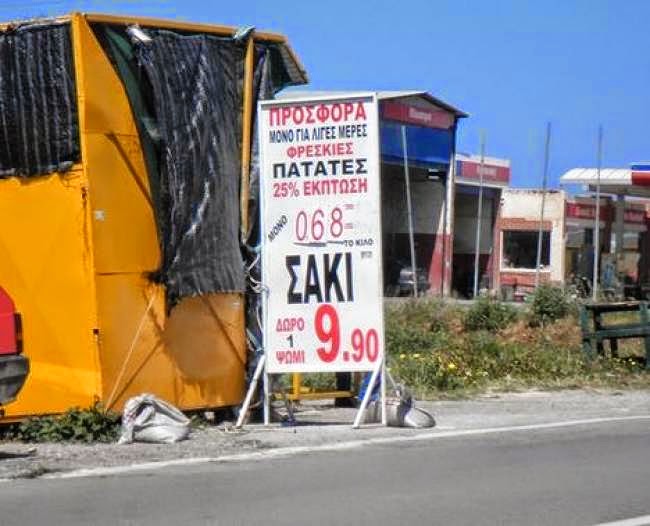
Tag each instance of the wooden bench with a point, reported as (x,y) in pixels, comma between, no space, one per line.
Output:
(595,331)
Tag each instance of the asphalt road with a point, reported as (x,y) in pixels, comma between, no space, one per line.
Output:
(581,475)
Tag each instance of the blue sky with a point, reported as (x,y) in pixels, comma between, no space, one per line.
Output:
(512,64)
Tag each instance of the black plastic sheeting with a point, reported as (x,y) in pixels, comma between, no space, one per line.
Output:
(39,124)
(198,85)
(186,94)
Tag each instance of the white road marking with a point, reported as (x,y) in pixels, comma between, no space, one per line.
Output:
(339,446)
(635,521)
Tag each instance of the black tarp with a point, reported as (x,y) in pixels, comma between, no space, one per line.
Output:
(39,126)
(186,93)
(197,84)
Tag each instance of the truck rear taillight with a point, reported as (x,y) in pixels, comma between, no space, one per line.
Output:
(10,326)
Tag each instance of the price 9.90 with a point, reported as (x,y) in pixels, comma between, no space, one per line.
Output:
(365,345)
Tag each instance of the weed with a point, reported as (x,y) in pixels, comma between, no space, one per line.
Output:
(75,425)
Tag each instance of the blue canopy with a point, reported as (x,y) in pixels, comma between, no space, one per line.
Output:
(427,147)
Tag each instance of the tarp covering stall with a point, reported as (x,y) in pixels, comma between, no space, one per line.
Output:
(131,273)
(197,85)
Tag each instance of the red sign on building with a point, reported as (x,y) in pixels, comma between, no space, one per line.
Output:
(471,169)
(585,211)
(588,211)
(427,117)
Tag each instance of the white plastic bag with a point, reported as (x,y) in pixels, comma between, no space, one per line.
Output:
(147,418)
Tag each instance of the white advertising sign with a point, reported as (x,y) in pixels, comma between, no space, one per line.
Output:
(321,229)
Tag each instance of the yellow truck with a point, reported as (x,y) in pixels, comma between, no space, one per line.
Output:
(128,194)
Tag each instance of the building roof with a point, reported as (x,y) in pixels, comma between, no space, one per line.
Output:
(608,176)
(612,180)
(388,95)
(381,95)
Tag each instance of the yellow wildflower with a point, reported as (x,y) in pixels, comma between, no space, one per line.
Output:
(402,356)
(451,366)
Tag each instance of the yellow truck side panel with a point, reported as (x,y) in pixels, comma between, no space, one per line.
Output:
(205,338)
(194,359)
(124,228)
(45,266)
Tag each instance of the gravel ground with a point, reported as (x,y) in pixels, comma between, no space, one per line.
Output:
(319,424)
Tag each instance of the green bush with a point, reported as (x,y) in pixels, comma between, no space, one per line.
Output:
(75,425)
(489,315)
(500,352)
(549,304)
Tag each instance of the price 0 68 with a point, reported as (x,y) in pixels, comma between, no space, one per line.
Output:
(314,226)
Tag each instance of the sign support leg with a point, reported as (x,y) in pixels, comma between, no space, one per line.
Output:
(367,395)
(384,417)
(267,399)
(251,390)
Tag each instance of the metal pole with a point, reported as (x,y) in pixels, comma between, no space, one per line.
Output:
(407,178)
(367,395)
(597,218)
(540,234)
(267,395)
(251,390)
(477,248)
(384,414)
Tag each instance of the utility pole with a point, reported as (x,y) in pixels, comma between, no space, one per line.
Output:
(596,235)
(477,248)
(540,234)
(409,206)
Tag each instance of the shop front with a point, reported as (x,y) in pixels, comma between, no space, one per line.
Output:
(623,258)
(496,175)
(519,225)
(418,139)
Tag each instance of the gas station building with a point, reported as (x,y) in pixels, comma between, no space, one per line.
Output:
(624,225)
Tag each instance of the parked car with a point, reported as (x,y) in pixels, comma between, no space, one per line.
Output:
(405,281)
